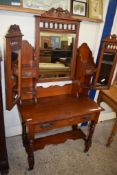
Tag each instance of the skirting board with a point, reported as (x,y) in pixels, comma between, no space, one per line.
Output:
(107,116)
(13,131)
(17,130)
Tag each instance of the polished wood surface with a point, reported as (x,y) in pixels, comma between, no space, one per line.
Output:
(110,97)
(4,166)
(56,112)
(85,69)
(29,71)
(61,106)
(44,109)
(54,90)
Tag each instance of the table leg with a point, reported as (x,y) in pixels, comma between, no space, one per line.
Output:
(88,141)
(24,135)
(113,132)
(30,155)
(28,144)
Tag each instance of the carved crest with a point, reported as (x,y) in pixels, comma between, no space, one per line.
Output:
(14,30)
(111,38)
(57,13)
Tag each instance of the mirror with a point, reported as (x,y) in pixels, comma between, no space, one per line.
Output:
(105,69)
(56,53)
(106,63)
(13,66)
(56,41)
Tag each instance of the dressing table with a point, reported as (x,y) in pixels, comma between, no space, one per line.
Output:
(45,109)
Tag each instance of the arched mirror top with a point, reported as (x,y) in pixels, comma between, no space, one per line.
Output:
(56,41)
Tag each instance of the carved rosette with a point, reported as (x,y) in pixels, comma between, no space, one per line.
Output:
(57,13)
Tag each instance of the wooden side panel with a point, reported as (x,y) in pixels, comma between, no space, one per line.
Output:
(29,72)
(54,90)
(85,69)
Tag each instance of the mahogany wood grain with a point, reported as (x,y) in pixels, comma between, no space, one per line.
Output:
(54,90)
(43,109)
(58,138)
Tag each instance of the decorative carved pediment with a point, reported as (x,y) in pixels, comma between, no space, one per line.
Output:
(57,13)
(14,30)
(111,42)
(111,38)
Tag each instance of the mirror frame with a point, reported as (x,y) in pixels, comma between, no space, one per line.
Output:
(109,45)
(57,16)
(13,43)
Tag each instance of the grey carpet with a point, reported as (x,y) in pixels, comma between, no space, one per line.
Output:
(67,158)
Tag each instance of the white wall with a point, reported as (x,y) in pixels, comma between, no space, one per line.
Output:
(90,33)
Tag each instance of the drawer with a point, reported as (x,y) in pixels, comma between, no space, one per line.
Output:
(63,122)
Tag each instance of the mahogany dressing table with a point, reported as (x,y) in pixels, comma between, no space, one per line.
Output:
(44,109)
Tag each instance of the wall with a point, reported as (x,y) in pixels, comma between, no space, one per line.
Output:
(90,33)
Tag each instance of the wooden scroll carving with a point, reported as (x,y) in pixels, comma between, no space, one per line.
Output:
(85,68)
(57,13)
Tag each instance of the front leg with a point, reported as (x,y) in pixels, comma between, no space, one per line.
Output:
(113,132)
(30,155)
(24,135)
(88,141)
(29,146)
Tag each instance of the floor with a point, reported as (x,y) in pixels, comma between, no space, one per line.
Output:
(67,158)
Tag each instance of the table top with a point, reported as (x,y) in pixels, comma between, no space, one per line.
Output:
(111,93)
(61,107)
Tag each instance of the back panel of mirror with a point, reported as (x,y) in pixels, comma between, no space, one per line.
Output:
(13,59)
(107,62)
(56,43)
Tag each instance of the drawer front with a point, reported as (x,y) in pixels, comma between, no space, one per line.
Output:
(62,123)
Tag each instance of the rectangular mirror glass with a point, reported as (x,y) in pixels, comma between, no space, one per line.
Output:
(15,68)
(56,53)
(105,69)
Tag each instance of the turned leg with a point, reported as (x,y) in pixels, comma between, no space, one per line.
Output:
(30,155)
(28,139)
(24,135)
(88,141)
(113,132)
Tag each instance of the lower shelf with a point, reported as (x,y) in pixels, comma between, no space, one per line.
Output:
(58,138)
